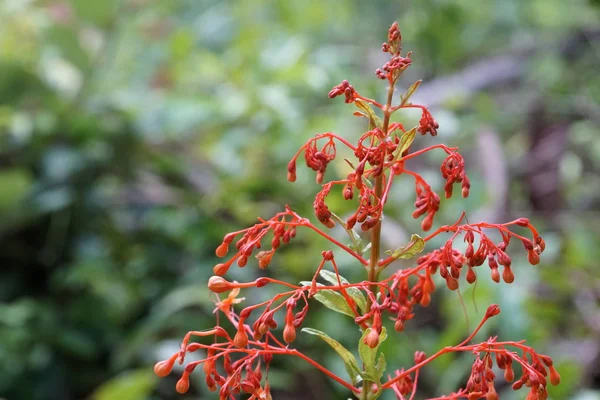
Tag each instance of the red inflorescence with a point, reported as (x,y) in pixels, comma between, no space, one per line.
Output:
(239,363)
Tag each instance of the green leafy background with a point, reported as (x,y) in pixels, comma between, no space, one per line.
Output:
(135,133)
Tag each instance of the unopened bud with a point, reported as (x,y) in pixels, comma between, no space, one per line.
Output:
(241,338)
(222,250)
(221,269)
(242,261)
(471,275)
(533,257)
(289,333)
(508,275)
(541,243)
(260,282)
(291,176)
(495,275)
(452,283)
(183,384)
(554,376)
(399,325)
(427,222)
(163,368)
(372,338)
(522,222)
(509,374)
(425,300)
(218,284)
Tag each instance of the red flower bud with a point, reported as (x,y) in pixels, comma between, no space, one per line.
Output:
(241,338)
(399,325)
(291,176)
(554,376)
(242,261)
(495,275)
(508,275)
(491,394)
(222,268)
(522,222)
(509,374)
(183,384)
(541,243)
(425,300)
(217,284)
(533,257)
(471,275)
(372,338)
(164,368)
(222,250)
(260,282)
(427,222)
(289,333)
(452,283)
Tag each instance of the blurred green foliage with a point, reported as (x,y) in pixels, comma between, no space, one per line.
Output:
(135,133)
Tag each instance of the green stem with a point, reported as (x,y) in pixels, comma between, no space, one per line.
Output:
(372,268)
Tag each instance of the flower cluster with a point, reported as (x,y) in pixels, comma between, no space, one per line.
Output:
(237,360)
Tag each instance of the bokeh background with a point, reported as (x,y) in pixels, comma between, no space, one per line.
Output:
(135,133)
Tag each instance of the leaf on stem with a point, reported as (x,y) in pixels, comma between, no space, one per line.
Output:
(349,359)
(332,300)
(411,90)
(374,120)
(406,141)
(414,247)
(358,297)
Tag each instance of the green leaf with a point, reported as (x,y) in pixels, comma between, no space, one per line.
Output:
(405,141)
(411,90)
(355,293)
(349,360)
(334,301)
(372,371)
(414,247)
(374,120)
(381,365)
(356,239)
(129,385)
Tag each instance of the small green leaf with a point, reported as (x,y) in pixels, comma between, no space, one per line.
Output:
(357,243)
(381,365)
(411,90)
(414,247)
(349,359)
(366,248)
(405,141)
(355,293)
(374,120)
(380,370)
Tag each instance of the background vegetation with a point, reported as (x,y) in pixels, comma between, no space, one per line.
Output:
(135,133)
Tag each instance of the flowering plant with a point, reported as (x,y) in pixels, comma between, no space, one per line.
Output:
(240,363)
